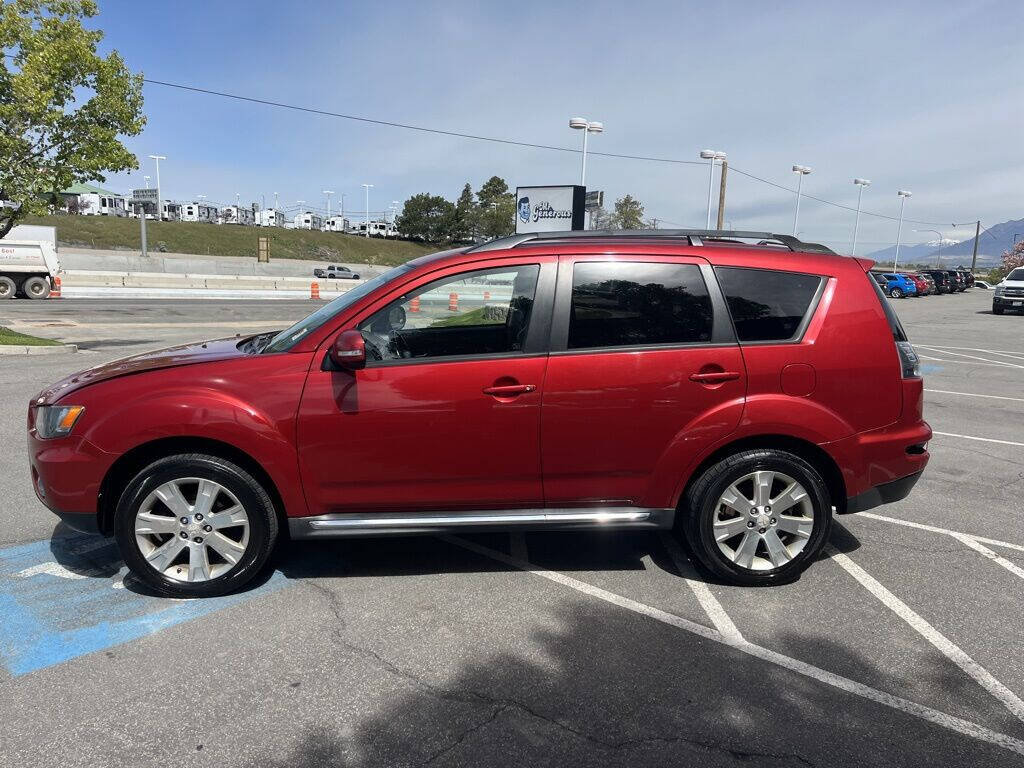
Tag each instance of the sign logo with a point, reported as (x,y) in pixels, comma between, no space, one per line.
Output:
(524,208)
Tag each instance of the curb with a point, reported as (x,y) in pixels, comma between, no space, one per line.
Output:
(15,349)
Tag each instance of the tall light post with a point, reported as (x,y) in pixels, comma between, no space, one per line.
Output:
(801,171)
(711,155)
(328,192)
(275,202)
(904,194)
(159,196)
(861,183)
(587,126)
(147,181)
(938,253)
(366,188)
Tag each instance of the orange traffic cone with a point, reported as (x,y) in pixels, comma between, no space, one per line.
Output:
(314,290)
(55,292)
(414,305)
(453,302)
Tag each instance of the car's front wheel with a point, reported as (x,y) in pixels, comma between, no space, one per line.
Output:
(896,293)
(997,309)
(195,526)
(759,517)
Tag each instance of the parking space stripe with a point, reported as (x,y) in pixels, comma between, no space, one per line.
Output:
(971,357)
(959,362)
(1015,355)
(955,724)
(714,610)
(980,439)
(944,645)
(974,394)
(1012,567)
(935,529)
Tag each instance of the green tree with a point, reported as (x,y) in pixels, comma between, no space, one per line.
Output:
(465,210)
(628,214)
(496,209)
(428,217)
(62,105)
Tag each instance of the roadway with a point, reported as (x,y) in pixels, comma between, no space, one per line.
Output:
(902,646)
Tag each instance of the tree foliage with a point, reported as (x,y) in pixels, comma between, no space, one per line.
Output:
(496,209)
(628,214)
(428,217)
(62,105)
(1014,257)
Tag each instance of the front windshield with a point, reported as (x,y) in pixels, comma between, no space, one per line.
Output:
(287,338)
(1017,274)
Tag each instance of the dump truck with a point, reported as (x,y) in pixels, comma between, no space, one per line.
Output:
(28,262)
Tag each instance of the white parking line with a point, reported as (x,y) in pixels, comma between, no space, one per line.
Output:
(944,645)
(972,357)
(1014,355)
(974,394)
(964,727)
(959,362)
(981,439)
(936,529)
(1012,567)
(702,592)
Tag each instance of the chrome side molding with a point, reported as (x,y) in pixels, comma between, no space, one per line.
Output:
(386,523)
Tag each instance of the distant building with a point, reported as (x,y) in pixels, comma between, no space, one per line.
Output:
(270,217)
(336,224)
(308,220)
(89,200)
(235,214)
(199,212)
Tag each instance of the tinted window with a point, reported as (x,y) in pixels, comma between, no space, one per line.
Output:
(766,305)
(1017,274)
(485,312)
(618,303)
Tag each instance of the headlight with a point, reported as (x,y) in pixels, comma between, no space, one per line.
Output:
(56,420)
(999,290)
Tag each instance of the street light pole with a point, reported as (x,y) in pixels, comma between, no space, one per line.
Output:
(801,171)
(938,253)
(366,187)
(904,194)
(159,197)
(861,183)
(587,126)
(711,155)
(328,192)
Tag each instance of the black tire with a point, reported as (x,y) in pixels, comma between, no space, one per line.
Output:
(36,287)
(263,525)
(896,293)
(996,309)
(7,288)
(701,501)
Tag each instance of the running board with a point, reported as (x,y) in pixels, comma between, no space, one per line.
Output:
(387,523)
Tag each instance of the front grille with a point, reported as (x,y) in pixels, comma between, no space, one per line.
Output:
(1013,292)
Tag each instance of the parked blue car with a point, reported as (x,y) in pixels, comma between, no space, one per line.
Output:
(898,286)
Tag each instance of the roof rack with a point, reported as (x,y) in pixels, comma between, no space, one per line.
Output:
(695,237)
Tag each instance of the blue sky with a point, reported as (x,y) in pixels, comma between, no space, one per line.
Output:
(921,96)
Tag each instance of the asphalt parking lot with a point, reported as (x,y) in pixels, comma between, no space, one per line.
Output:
(903,646)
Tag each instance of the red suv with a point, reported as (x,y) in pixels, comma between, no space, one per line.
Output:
(737,393)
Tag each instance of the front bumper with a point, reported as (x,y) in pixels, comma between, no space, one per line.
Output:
(1013,302)
(66,476)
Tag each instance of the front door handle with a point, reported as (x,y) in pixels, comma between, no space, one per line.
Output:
(714,377)
(509,390)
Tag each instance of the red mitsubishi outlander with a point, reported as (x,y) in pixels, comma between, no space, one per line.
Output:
(737,387)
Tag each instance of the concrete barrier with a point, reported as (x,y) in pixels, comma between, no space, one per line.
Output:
(99,279)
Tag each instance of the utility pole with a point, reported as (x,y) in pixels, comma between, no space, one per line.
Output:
(721,195)
(977,235)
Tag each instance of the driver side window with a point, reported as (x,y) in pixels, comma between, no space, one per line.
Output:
(484,312)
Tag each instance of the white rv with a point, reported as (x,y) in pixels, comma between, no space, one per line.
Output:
(308,220)
(199,212)
(96,204)
(234,214)
(336,224)
(270,217)
(377,229)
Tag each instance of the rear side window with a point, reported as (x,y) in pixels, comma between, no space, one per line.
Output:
(620,303)
(767,305)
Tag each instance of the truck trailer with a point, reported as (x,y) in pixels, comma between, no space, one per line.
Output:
(28,262)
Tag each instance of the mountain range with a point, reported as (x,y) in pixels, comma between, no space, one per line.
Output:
(994,241)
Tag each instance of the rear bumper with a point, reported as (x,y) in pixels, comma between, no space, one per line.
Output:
(886,493)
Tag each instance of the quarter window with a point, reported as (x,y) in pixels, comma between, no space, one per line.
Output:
(486,312)
(619,303)
(767,305)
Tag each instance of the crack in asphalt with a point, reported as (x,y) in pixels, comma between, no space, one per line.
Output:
(504,704)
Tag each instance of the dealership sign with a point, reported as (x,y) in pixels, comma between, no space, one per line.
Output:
(549,209)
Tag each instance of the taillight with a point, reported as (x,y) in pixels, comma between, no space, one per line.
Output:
(909,361)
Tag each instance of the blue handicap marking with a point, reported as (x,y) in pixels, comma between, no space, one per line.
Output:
(930,368)
(66,597)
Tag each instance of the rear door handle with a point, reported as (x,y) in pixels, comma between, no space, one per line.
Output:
(510,390)
(714,377)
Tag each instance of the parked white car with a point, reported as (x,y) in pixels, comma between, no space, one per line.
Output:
(1009,294)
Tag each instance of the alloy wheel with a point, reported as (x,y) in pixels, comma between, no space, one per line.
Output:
(763,520)
(192,529)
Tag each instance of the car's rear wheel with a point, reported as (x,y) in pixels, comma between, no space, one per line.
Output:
(759,517)
(195,526)
(36,288)
(896,293)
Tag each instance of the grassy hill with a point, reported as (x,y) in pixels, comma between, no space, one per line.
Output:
(228,240)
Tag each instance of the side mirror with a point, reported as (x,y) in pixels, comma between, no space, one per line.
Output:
(348,351)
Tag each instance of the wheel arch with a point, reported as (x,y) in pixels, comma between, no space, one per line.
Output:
(133,461)
(813,454)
